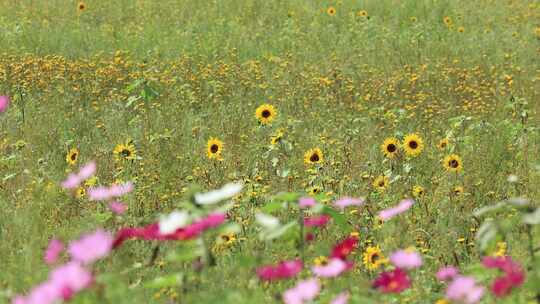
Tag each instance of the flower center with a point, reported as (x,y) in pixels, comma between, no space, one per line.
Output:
(314,157)
(266,113)
(413,144)
(391,148)
(453,163)
(214,148)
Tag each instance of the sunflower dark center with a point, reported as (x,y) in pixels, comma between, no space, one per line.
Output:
(73,156)
(381,184)
(125,153)
(225,238)
(391,148)
(81,6)
(314,157)
(266,113)
(214,148)
(413,144)
(453,163)
(443,144)
(374,257)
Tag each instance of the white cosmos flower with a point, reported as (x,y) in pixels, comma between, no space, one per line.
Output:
(215,196)
(171,222)
(267,221)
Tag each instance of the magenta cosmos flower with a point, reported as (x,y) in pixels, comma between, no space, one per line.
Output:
(332,269)
(151,232)
(283,270)
(406,259)
(4,103)
(513,276)
(345,202)
(303,292)
(392,281)
(342,249)
(316,221)
(53,251)
(91,247)
(389,213)
(464,290)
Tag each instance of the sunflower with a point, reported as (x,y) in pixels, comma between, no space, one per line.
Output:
(80,193)
(413,145)
(443,144)
(447,20)
(413,19)
(418,191)
(331,11)
(320,260)
(125,151)
(214,147)
(458,190)
(314,190)
(313,156)
(501,249)
(390,147)
(381,182)
(362,13)
(81,6)
(452,163)
(373,258)
(227,239)
(461,29)
(91,182)
(72,156)
(265,113)
(276,139)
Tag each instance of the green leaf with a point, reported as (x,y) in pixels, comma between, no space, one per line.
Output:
(486,233)
(338,218)
(166,281)
(286,196)
(272,206)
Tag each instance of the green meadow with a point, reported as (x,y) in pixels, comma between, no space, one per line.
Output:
(381,100)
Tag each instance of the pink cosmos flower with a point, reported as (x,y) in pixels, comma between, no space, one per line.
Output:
(305,202)
(118,207)
(344,248)
(513,276)
(331,270)
(102,193)
(63,283)
(316,221)
(341,298)
(345,202)
(392,281)
(405,259)
(284,270)
(152,232)
(447,273)
(4,103)
(91,247)
(74,180)
(389,213)
(70,279)
(303,292)
(53,251)
(465,290)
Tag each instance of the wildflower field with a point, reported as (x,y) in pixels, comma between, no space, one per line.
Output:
(369,151)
